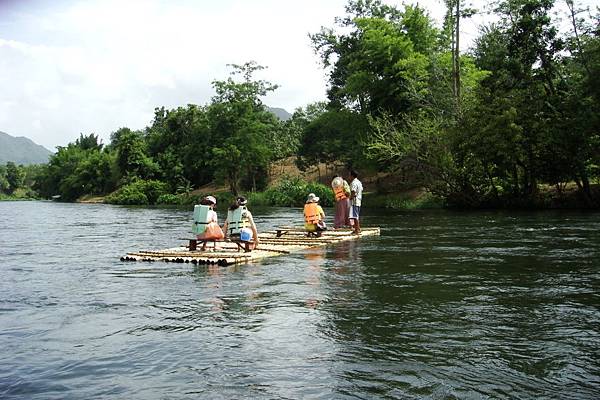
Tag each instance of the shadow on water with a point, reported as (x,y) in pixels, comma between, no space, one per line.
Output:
(442,305)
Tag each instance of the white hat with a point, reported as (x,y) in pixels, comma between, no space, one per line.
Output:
(211,199)
(312,198)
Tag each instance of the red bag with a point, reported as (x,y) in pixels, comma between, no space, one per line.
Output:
(213,231)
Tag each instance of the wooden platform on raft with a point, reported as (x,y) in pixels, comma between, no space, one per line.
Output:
(274,243)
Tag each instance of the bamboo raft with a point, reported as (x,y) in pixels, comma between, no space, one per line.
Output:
(274,243)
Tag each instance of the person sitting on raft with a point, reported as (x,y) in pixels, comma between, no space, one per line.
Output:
(240,226)
(314,216)
(212,231)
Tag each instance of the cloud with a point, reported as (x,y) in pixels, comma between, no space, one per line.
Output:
(93,66)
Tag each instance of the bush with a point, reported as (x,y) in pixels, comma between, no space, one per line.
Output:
(138,192)
(258,199)
(224,199)
(168,198)
(188,199)
(292,192)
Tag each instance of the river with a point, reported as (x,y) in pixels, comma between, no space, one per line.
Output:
(444,305)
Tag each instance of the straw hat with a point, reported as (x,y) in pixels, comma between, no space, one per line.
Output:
(312,198)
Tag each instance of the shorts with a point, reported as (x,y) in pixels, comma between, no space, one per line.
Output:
(354,212)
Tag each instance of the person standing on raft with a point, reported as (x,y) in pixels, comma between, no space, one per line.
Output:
(314,216)
(356,190)
(341,190)
(240,226)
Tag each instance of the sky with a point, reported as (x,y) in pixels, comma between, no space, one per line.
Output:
(69,67)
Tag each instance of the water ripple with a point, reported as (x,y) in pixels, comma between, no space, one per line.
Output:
(442,305)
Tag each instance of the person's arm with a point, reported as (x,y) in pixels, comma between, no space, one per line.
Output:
(254,231)
(352,191)
(225,228)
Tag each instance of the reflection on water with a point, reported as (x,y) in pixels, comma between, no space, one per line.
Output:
(315,259)
(442,305)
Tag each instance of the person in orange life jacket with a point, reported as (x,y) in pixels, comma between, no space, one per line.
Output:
(314,216)
(341,190)
(356,190)
(240,223)
(213,230)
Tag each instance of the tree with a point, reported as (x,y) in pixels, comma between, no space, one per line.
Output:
(89,142)
(3,181)
(180,141)
(132,159)
(333,136)
(14,176)
(381,65)
(241,127)
(455,12)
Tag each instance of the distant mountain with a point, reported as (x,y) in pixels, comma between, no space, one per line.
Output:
(280,113)
(21,150)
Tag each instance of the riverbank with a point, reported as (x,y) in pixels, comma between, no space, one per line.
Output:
(413,199)
(19,195)
(288,187)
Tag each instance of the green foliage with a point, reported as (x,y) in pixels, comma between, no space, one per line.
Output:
(78,169)
(243,127)
(381,65)
(526,124)
(333,136)
(169,199)
(292,192)
(4,185)
(520,112)
(14,176)
(142,192)
(89,142)
(180,141)
(132,158)
(17,181)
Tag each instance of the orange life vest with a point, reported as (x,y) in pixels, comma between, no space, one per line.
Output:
(340,194)
(311,213)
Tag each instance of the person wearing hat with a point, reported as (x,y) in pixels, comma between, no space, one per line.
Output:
(213,230)
(314,217)
(240,226)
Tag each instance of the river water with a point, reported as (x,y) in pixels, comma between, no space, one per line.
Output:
(443,305)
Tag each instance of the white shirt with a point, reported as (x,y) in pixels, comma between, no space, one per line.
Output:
(357,188)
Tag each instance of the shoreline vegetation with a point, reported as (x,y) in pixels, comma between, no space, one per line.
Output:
(291,192)
(513,123)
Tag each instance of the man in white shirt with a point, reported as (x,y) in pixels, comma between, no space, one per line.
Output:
(356,190)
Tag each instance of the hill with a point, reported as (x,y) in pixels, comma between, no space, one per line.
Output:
(21,150)
(280,113)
